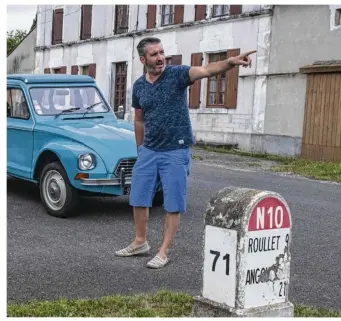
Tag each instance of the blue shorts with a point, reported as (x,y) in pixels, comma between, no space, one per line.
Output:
(171,168)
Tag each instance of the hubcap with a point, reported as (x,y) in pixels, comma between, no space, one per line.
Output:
(54,190)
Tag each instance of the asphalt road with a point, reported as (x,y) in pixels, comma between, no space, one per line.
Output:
(48,258)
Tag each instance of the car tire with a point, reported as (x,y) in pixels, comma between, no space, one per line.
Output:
(158,199)
(58,196)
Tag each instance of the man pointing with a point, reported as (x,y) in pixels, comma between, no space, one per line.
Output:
(164,137)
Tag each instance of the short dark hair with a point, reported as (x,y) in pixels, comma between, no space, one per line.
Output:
(141,47)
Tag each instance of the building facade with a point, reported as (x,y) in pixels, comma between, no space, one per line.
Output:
(259,109)
(22,59)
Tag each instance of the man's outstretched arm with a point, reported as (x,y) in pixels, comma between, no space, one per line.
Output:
(214,68)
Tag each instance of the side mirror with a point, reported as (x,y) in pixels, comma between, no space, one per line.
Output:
(120,112)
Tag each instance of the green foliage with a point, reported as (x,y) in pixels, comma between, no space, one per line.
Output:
(14,37)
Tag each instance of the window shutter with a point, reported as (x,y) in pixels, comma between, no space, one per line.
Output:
(235,9)
(194,90)
(92,70)
(63,70)
(179,14)
(151,16)
(121,19)
(232,82)
(200,12)
(47,71)
(57,27)
(176,60)
(86,22)
(74,70)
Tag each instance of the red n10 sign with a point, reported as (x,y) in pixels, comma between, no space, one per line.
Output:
(267,251)
(269,213)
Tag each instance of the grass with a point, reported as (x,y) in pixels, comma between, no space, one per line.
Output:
(161,304)
(312,169)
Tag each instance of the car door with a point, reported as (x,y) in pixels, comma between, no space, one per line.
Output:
(20,124)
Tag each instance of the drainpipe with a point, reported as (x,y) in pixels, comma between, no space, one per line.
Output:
(133,56)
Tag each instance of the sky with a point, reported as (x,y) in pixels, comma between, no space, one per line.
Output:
(20,16)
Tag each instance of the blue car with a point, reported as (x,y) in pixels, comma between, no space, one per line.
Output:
(63,136)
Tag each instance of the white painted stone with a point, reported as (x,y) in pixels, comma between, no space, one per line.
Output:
(259,104)
(56,58)
(274,291)
(247,245)
(189,13)
(219,265)
(72,23)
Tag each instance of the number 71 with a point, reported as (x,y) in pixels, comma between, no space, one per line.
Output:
(226,257)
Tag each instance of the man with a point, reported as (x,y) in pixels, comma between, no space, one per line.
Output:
(164,137)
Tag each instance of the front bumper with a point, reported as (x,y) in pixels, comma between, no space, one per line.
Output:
(122,181)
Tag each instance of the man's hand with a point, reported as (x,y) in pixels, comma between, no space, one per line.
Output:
(243,59)
(218,67)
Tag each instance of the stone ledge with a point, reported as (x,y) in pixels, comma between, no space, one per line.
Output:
(203,307)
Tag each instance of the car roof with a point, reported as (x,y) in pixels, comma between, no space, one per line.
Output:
(50,78)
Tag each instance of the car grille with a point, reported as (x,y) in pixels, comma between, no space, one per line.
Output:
(127,164)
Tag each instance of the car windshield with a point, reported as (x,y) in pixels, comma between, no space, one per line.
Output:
(54,100)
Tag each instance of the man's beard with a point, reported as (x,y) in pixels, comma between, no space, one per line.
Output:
(152,67)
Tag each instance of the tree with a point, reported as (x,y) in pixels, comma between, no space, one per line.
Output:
(14,38)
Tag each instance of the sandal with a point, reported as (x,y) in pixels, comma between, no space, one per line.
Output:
(157,262)
(130,251)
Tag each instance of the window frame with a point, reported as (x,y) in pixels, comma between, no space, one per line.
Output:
(171,14)
(13,87)
(222,6)
(218,78)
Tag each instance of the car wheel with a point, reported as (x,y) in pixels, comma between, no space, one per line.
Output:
(57,195)
(158,198)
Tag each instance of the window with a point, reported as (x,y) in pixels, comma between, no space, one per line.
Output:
(85,70)
(222,88)
(167,14)
(121,19)
(86,22)
(53,100)
(220,10)
(16,104)
(61,70)
(216,84)
(57,26)
(174,60)
(337,17)
(88,70)
(120,85)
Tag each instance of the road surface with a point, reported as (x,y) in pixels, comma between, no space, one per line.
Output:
(50,258)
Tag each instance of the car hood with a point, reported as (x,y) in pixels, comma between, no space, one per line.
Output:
(111,140)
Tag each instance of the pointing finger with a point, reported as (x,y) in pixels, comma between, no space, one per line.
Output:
(249,52)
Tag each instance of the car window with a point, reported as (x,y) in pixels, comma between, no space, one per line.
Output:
(17,104)
(53,100)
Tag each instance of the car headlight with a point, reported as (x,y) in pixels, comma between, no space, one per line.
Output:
(86,161)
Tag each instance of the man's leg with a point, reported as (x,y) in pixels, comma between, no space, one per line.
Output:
(169,229)
(141,215)
(173,169)
(143,182)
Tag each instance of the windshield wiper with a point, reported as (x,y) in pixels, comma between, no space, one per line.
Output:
(91,107)
(70,110)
